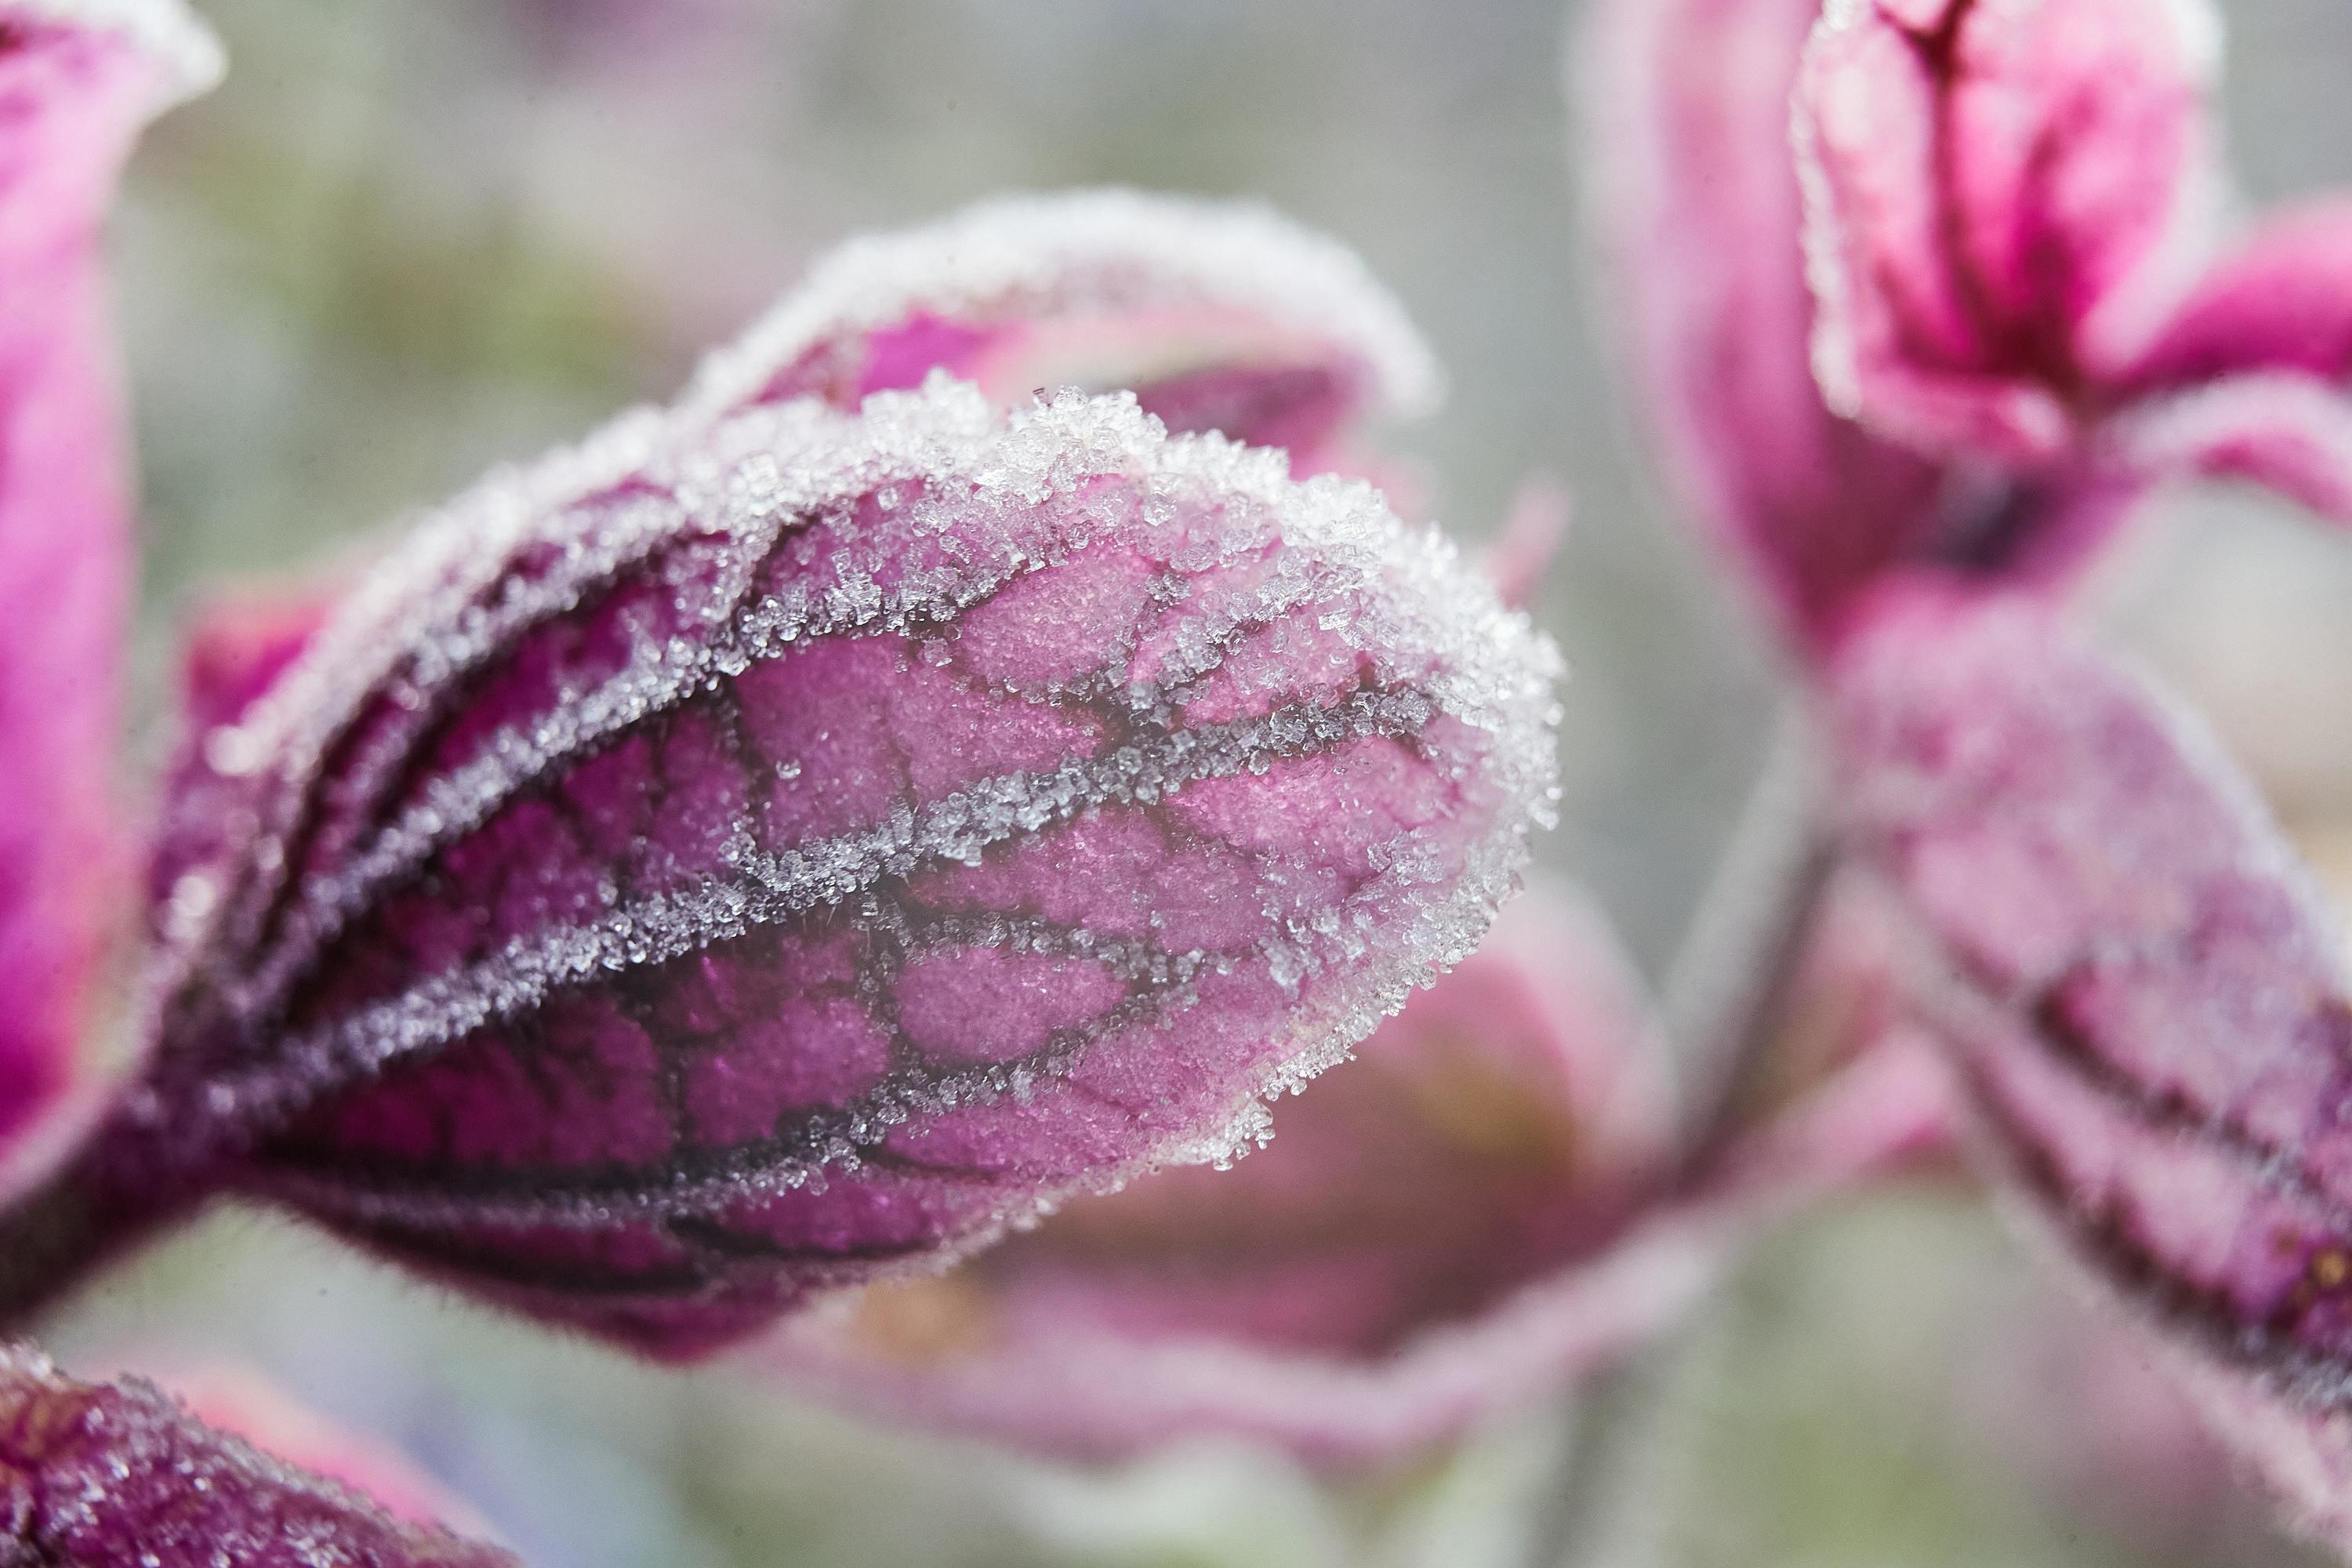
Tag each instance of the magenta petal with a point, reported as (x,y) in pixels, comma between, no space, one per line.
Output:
(2003,199)
(2282,429)
(75,86)
(2146,998)
(2250,379)
(1462,1220)
(1699,197)
(2280,300)
(695,873)
(1218,315)
(99,1474)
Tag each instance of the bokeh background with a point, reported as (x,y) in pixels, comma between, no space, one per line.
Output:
(410,237)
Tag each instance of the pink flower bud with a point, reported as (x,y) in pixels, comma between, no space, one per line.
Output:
(2003,197)
(77,83)
(120,1474)
(747,856)
(2145,1000)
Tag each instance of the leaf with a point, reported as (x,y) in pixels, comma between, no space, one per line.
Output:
(119,1474)
(713,866)
(2145,998)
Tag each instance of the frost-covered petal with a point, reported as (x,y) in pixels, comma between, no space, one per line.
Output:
(119,1474)
(698,872)
(2003,198)
(2146,998)
(1699,197)
(2281,300)
(2251,378)
(77,83)
(1462,1220)
(1218,315)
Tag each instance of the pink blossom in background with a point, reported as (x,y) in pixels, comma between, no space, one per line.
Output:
(2145,996)
(98,1473)
(1700,208)
(77,83)
(2004,198)
(1983,301)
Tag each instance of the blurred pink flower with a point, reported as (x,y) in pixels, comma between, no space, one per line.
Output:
(77,83)
(2007,270)
(1699,204)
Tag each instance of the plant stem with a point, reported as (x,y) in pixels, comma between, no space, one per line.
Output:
(1727,990)
(1724,1000)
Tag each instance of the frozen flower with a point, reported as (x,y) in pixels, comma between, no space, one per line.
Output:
(799,834)
(1982,304)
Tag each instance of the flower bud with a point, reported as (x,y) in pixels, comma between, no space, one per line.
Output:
(749,855)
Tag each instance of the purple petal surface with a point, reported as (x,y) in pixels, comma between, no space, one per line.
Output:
(2146,998)
(2250,378)
(2003,198)
(118,1476)
(77,83)
(700,872)
(1462,1221)
(1217,315)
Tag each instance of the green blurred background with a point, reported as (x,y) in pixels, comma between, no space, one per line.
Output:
(409,237)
